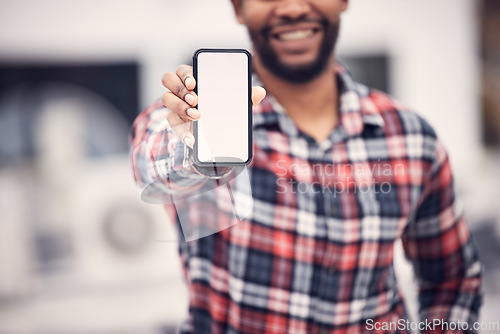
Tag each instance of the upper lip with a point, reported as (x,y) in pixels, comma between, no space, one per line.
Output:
(286,28)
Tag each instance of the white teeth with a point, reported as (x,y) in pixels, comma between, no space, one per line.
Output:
(294,35)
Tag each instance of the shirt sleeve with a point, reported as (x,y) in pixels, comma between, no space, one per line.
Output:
(438,242)
(162,165)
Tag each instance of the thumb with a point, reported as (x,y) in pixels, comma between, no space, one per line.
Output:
(258,93)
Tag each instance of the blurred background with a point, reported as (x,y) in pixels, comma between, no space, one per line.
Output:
(79,251)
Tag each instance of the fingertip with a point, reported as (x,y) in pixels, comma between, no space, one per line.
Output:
(190,99)
(188,140)
(262,90)
(193,113)
(258,94)
(189,83)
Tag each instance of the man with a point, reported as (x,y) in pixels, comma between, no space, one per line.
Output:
(340,172)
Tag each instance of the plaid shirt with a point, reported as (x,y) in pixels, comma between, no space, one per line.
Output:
(316,253)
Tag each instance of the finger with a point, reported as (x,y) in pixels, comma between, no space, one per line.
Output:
(185,73)
(179,107)
(258,94)
(181,128)
(173,83)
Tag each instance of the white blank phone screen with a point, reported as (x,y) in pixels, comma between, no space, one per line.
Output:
(222,82)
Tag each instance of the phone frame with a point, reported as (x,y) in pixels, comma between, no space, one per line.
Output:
(249,110)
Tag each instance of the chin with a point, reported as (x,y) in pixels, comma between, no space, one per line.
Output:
(298,61)
(298,65)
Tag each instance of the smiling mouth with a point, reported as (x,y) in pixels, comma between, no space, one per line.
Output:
(296,34)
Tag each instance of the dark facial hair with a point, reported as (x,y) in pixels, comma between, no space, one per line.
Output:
(295,74)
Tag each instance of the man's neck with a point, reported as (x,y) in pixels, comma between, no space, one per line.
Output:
(312,105)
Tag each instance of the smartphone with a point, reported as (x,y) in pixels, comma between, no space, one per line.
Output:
(223,134)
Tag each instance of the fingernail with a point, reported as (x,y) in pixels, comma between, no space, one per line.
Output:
(188,141)
(194,113)
(188,81)
(189,99)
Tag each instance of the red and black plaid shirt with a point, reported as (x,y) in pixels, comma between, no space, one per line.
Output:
(315,254)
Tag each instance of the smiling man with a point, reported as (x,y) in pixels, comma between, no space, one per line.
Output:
(340,173)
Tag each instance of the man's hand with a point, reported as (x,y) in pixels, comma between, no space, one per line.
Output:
(181,100)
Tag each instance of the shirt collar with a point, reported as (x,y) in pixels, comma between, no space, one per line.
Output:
(355,106)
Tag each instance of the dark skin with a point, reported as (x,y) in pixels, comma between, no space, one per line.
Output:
(295,37)
(312,106)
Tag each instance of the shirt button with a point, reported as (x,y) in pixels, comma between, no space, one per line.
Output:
(323,331)
(331,271)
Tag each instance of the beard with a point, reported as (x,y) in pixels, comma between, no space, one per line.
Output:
(298,73)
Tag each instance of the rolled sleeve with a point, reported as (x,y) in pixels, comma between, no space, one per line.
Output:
(161,163)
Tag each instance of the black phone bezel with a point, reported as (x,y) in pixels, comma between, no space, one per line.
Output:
(249,110)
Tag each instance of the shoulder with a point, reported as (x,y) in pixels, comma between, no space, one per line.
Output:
(398,119)
(406,133)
